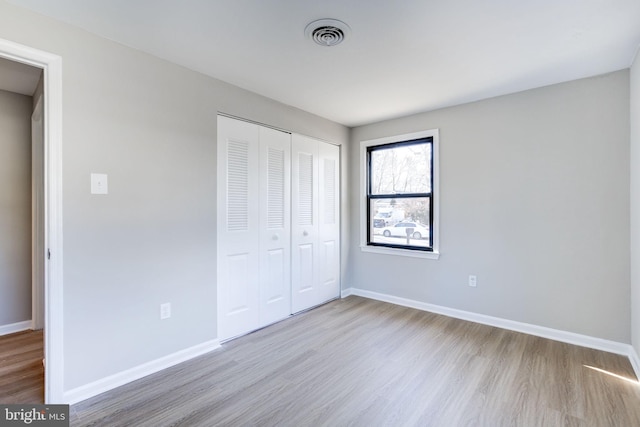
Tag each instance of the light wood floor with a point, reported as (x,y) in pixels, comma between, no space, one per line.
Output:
(21,370)
(367,363)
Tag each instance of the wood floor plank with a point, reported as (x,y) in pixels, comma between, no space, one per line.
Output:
(21,369)
(358,362)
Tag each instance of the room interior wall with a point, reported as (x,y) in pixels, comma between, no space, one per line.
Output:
(15,208)
(635,202)
(37,207)
(151,127)
(38,92)
(534,201)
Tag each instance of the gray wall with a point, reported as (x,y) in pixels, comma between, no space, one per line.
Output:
(37,206)
(15,208)
(635,203)
(151,126)
(534,200)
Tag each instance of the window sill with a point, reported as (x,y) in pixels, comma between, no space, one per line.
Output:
(400,252)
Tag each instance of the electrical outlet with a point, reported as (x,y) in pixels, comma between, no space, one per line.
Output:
(165,310)
(473,281)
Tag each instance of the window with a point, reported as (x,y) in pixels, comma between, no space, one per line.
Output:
(400,195)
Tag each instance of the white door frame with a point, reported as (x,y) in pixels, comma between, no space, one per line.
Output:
(53,293)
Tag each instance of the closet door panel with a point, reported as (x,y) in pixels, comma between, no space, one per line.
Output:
(238,228)
(275,225)
(274,289)
(306,278)
(278,225)
(304,223)
(238,299)
(329,221)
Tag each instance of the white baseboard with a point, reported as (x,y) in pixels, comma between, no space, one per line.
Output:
(540,331)
(345,292)
(15,327)
(635,361)
(116,380)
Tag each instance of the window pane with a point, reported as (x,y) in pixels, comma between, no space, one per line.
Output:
(401,221)
(403,169)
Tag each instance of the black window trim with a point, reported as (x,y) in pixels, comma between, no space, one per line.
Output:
(429,195)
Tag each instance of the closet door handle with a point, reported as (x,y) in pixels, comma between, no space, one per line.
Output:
(305,233)
(274,237)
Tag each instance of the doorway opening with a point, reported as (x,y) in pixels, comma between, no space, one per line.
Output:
(21,228)
(47,289)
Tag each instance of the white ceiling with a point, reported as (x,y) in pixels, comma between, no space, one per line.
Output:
(403,56)
(18,77)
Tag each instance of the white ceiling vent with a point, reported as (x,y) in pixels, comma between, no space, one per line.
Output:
(327,32)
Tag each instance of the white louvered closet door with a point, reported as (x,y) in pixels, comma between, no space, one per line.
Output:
(315,225)
(275,225)
(278,225)
(238,228)
(328,221)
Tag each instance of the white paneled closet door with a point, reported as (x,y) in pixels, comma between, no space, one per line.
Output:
(315,226)
(275,225)
(304,226)
(238,228)
(278,225)
(328,221)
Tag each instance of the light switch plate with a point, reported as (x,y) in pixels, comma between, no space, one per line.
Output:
(165,311)
(99,183)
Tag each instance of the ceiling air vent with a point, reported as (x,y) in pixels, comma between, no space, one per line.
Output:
(327,32)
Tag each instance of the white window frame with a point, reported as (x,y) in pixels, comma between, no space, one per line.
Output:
(364,247)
